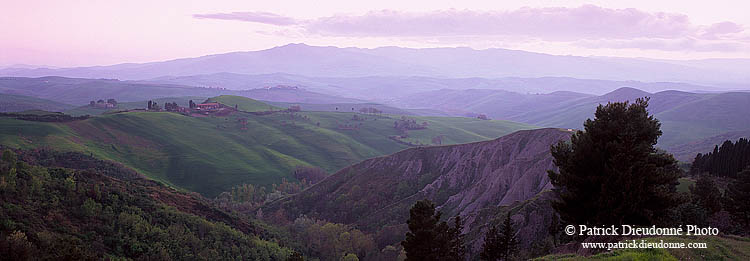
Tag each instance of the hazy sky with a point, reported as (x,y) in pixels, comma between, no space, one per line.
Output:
(101,32)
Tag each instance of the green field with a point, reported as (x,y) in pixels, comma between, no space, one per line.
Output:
(242,103)
(211,154)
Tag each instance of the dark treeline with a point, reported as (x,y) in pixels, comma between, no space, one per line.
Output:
(53,117)
(724,161)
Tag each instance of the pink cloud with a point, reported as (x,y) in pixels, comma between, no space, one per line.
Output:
(545,23)
(258,17)
(555,23)
(722,30)
(587,26)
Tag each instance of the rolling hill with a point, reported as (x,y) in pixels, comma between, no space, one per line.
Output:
(210,154)
(17,103)
(686,117)
(387,88)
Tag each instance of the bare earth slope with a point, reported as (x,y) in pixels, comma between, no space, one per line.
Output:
(460,179)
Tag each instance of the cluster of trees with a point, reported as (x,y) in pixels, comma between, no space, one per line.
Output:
(102,103)
(331,241)
(500,242)
(706,205)
(724,161)
(153,106)
(192,104)
(431,239)
(405,123)
(52,117)
(64,214)
(171,106)
(247,197)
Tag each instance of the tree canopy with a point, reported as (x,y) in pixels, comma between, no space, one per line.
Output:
(610,173)
(431,239)
(500,243)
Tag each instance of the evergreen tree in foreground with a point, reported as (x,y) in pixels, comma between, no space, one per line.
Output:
(738,196)
(611,173)
(500,244)
(430,239)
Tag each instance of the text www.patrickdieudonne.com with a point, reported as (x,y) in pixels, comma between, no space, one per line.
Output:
(643,243)
(627,230)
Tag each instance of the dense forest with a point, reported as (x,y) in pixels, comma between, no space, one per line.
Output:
(57,213)
(724,161)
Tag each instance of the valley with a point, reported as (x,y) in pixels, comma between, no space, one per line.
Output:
(382,131)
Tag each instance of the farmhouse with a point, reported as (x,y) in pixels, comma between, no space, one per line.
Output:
(211,106)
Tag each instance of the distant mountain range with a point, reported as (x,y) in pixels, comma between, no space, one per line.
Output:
(385,88)
(316,61)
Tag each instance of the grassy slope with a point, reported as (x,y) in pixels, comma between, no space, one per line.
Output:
(719,248)
(244,104)
(211,154)
(16,103)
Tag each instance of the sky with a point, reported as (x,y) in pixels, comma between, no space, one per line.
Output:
(103,32)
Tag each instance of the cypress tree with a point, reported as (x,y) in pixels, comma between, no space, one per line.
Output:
(610,173)
(500,244)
